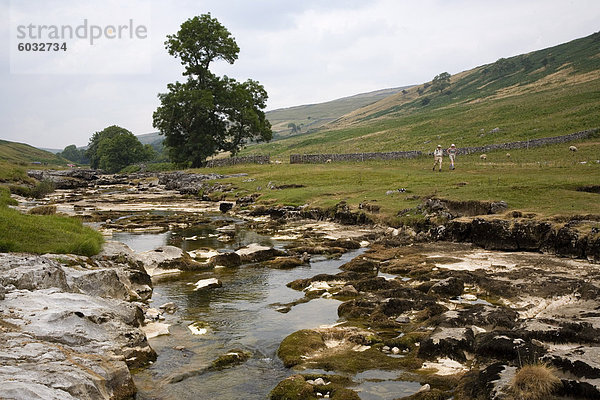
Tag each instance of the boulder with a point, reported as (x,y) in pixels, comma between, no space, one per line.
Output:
(70,344)
(225,206)
(225,260)
(447,342)
(508,346)
(256,253)
(285,262)
(33,369)
(449,287)
(31,272)
(209,283)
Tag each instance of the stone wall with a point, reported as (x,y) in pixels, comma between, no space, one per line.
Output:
(323,158)
(396,155)
(527,143)
(225,162)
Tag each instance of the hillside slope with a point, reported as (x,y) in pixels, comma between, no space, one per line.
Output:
(544,93)
(311,117)
(24,154)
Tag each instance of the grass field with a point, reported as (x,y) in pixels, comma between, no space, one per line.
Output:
(542,180)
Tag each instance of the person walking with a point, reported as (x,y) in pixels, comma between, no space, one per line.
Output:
(438,153)
(451,154)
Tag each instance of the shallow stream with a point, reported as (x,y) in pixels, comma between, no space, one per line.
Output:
(239,315)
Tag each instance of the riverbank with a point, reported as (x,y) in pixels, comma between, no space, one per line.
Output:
(437,315)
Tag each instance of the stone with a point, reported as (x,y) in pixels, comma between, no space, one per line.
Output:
(447,342)
(31,272)
(450,287)
(155,329)
(169,307)
(225,206)
(231,259)
(207,284)
(256,253)
(64,345)
(285,262)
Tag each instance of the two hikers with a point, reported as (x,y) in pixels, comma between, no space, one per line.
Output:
(438,155)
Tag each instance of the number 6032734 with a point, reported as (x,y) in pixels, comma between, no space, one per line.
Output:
(42,46)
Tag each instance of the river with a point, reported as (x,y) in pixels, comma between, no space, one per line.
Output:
(242,314)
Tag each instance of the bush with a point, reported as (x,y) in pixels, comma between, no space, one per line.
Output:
(534,382)
(42,189)
(23,191)
(39,191)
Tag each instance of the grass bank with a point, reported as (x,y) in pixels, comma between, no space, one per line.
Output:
(542,180)
(44,233)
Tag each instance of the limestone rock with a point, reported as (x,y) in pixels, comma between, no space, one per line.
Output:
(450,287)
(225,260)
(257,253)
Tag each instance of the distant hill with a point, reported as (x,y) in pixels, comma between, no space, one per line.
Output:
(543,93)
(307,118)
(150,138)
(311,117)
(20,153)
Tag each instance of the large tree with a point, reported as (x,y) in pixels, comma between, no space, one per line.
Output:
(207,113)
(114,148)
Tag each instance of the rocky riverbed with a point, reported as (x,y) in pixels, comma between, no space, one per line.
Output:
(419,315)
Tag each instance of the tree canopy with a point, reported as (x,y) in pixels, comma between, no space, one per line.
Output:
(207,113)
(440,82)
(114,148)
(72,153)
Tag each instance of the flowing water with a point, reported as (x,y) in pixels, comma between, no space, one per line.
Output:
(239,315)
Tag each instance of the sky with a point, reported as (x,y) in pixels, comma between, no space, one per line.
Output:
(302,51)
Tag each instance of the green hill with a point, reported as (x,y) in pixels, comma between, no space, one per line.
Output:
(544,93)
(24,154)
(311,117)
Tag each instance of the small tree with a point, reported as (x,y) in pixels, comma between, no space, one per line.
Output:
(440,82)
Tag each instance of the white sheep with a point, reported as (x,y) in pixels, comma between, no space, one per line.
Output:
(483,156)
(572,148)
(328,161)
(507,155)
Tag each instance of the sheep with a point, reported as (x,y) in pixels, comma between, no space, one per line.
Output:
(507,155)
(483,156)
(572,148)
(328,161)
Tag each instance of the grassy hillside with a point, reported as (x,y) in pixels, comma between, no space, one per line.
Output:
(311,117)
(24,154)
(543,93)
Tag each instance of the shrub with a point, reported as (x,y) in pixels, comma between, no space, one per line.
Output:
(42,189)
(534,382)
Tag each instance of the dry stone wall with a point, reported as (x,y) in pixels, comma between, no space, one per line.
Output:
(323,158)
(225,162)
(396,155)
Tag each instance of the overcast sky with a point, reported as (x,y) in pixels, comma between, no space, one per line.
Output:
(302,51)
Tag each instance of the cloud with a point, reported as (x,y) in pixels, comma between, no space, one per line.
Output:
(301,51)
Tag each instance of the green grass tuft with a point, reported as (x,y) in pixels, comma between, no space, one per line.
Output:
(44,233)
